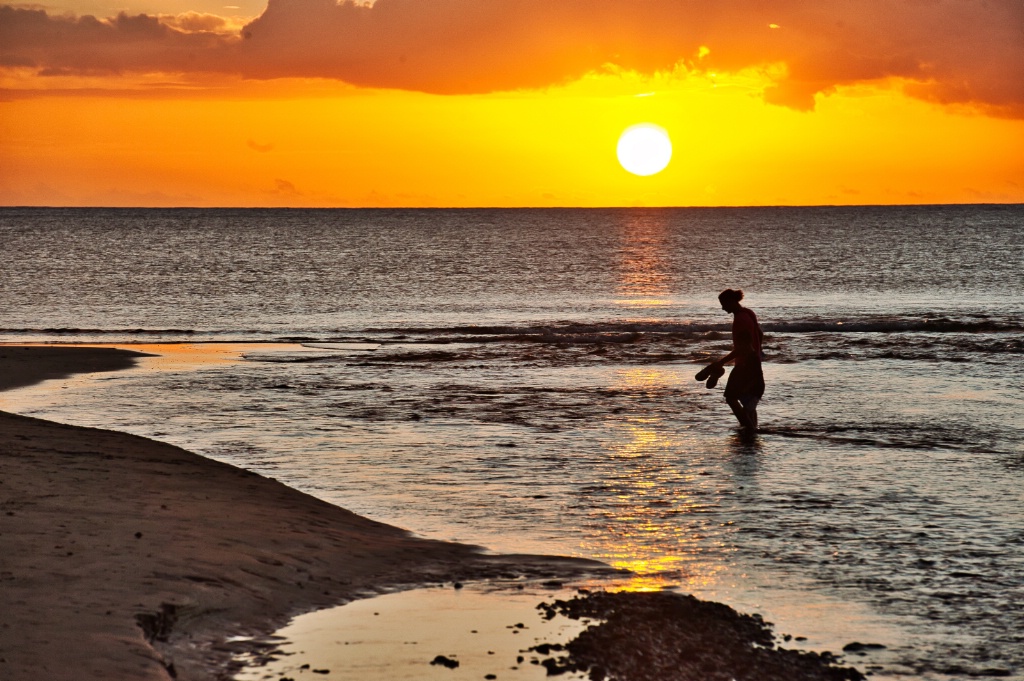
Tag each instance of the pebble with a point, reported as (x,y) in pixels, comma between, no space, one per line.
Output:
(445,662)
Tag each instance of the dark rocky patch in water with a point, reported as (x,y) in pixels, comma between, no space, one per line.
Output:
(666,636)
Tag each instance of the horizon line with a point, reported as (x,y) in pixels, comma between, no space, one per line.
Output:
(497,207)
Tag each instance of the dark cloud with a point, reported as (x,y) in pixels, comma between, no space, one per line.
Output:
(87,45)
(953,51)
(285,187)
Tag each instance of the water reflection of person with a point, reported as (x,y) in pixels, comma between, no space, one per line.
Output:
(746,382)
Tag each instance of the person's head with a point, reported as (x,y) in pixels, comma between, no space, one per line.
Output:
(730,299)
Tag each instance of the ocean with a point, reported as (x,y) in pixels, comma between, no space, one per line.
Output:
(524,380)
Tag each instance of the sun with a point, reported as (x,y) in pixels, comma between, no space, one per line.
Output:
(644,149)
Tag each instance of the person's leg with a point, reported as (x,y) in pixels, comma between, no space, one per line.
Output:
(741,413)
(750,407)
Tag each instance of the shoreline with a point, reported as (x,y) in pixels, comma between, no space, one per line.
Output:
(129,558)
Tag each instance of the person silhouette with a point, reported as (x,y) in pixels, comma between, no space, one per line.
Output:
(745,386)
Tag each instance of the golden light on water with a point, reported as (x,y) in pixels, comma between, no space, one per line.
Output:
(654,489)
(643,266)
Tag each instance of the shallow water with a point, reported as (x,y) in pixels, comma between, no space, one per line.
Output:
(524,380)
(485,629)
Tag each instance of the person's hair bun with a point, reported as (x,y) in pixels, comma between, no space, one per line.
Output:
(730,295)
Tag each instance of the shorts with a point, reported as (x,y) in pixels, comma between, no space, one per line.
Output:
(746,382)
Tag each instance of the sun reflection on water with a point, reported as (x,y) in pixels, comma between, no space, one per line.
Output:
(643,268)
(656,496)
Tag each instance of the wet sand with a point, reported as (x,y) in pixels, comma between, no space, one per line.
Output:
(125,558)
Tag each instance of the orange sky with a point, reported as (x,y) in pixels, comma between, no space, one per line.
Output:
(510,102)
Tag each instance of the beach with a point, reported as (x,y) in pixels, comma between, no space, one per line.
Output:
(125,558)
(521,381)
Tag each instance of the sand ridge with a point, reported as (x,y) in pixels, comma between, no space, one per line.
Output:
(125,558)
(22,365)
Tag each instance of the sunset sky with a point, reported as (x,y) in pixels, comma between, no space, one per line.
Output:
(509,102)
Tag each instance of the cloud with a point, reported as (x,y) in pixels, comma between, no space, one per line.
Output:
(87,45)
(285,187)
(196,22)
(956,50)
(950,51)
(256,146)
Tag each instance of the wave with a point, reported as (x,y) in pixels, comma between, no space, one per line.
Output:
(135,331)
(897,436)
(565,332)
(938,325)
(72,334)
(625,330)
(104,332)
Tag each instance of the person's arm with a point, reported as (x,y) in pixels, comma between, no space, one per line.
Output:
(725,360)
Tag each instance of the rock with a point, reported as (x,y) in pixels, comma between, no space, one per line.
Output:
(445,662)
(546,648)
(654,636)
(555,667)
(857,647)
